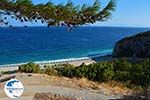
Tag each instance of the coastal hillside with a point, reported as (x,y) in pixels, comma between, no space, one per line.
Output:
(134,46)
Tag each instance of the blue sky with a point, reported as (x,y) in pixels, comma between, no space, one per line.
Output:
(129,13)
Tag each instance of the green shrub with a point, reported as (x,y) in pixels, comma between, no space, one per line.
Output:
(99,71)
(122,76)
(122,64)
(82,70)
(67,70)
(122,70)
(140,73)
(104,71)
(8,72)
(137,74)
(51,71)
(29,68)
(92,72)
(146,69)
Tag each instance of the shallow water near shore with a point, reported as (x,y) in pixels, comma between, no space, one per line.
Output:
(19,45)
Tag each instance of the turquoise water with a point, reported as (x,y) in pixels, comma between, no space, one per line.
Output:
(19,45)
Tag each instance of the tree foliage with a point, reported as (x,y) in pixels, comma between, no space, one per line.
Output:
(29,68)
(62,14)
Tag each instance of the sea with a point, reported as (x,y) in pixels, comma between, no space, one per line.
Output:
(42,44)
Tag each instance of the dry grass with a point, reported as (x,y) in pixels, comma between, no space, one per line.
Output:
(109,88)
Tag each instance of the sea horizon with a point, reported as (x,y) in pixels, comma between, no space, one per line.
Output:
(44,26)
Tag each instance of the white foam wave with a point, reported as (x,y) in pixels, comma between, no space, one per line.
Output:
(92,55)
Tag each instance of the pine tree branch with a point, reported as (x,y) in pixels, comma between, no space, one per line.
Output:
(68,14)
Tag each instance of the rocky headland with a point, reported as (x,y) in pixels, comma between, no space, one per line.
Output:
(137,46)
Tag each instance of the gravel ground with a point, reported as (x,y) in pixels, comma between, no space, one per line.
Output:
(83,94)
(41,84)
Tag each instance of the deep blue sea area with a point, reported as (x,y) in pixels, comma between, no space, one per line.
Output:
(19,44)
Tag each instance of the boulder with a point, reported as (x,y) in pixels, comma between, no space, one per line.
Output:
(50,96)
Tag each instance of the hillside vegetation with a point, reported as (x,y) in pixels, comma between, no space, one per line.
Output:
(119,70)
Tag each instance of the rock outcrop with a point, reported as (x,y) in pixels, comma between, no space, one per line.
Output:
(50,96)
(134,46)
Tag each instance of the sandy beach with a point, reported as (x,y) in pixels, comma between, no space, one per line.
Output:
(75,62)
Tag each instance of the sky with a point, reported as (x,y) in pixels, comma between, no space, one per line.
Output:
(128,13)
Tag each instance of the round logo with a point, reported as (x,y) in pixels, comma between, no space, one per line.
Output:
(13,88)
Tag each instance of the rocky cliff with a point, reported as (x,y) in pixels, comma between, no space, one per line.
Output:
(134,46)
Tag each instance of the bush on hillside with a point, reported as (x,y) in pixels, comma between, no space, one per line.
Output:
(119,70)
(82,71)
(140,73)
(51,71)
(122,70)
(29,68)
(67,70)
(98,71)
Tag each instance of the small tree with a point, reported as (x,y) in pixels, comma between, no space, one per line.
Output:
(122,69)
(29,68)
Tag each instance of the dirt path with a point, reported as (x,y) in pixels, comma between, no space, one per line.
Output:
(84,94)
(44,84)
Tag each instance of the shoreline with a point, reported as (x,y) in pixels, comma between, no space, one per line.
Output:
(73,61)
(61,61)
